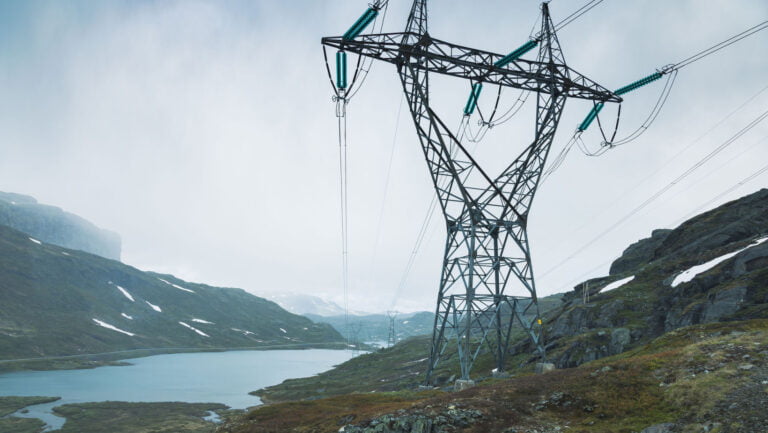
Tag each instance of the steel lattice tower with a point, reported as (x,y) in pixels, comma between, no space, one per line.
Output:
(391,334)
(487,249)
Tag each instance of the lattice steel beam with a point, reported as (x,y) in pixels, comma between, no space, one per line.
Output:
(486,218)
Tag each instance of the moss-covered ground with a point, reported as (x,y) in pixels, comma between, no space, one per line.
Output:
(122,417)
(686,376)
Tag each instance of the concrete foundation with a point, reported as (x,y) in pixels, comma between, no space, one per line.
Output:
(499,374)
(462,384)
(543,367)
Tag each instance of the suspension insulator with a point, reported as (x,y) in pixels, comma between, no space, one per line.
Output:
(341,69)
(472,101)
(361,23)
(514,55)
(639,83)
(590,117)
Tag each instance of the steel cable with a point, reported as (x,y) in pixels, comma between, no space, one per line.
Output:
(656,195)
(717,47)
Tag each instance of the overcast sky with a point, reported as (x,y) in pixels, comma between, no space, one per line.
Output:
(204,133)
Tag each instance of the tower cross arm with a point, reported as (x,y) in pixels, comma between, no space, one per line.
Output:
(426,53)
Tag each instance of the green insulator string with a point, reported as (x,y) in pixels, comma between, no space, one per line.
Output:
(341,70)
(469,108)
(516,54)
(365,19)
(591,116)
(639,83)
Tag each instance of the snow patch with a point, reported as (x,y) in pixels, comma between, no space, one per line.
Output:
(176,286)
(65,253)
(154,307)
(616,284)
(243,331)
(125,292)
(126,316)
(691,273)
(114,328)
(203,321)
(284,331)
(194,329)
(35,241)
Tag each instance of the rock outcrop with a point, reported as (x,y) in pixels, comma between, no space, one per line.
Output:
(418,421)
(639,253)
(649,304)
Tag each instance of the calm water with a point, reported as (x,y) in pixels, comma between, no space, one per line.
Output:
(218,377)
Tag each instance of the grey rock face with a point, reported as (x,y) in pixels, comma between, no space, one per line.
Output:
(544,367)
(752,259)
(666,427)
(418,421)
(723,304)
(462,384)
(593,346)
(732,222)
(572,321)
(55,226)
(613,322)
(608,316)
(620,338)
(640,252)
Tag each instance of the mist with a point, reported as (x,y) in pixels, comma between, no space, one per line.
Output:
(204,133)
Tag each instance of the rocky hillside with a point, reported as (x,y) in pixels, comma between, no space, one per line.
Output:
(55,226)
(57,301)
(703,378)
(713,267)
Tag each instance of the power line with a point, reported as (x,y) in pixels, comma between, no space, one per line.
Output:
(578,13)
(726,192)
(715,169)
(594,217)
(386,184)
(685,174)
(570,18)
(717,47)
(608,144)
(734,187)
(343,189)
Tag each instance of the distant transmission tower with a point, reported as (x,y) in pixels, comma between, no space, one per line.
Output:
(354,336)
(486,218)
(391,336)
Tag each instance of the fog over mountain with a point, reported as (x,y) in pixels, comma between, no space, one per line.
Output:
(204,133)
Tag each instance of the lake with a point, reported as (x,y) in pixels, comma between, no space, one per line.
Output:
(212,377)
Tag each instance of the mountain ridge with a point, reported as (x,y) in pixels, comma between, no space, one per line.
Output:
(56,301)
(56,226)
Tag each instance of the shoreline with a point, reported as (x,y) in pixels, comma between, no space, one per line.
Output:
(115,358)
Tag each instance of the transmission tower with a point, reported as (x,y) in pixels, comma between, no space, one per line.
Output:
(486,218)
(391,336)
(354,336)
